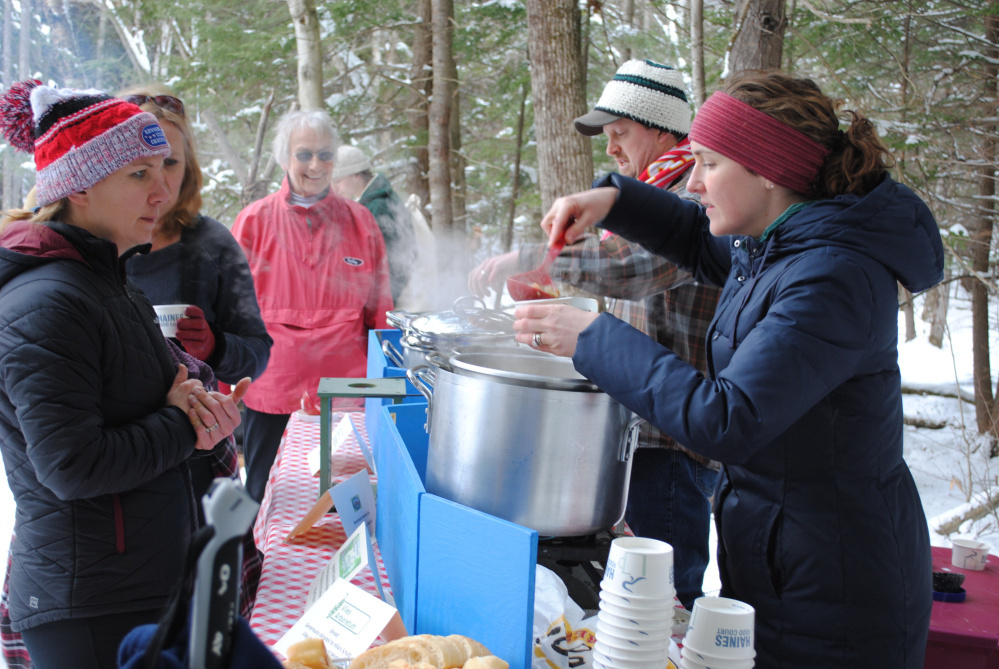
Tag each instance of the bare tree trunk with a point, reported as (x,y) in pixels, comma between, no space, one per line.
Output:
(421,74)
(458,182)
(102,38)
(982,240)
(938,314)
(697,50)
(439,130)
(7,186)
(24,47)
(628,18)
(515,188)
(558,87)
(759,37)
(310,56)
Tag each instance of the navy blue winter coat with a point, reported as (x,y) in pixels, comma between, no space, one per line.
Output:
(820,524)
(94,457)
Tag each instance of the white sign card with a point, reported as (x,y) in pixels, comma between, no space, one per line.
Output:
(354,555)
(346,618)
(337,439)
(355,502)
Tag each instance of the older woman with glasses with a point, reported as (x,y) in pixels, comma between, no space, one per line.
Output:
(321,272)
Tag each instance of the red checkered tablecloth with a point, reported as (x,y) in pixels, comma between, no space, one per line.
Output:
(289,568)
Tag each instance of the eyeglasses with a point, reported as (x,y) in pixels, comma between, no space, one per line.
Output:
(306,156)
(168,102)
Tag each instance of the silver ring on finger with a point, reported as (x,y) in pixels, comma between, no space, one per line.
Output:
(536,342)
(211,429)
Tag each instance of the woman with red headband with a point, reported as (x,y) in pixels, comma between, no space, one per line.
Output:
(820,524)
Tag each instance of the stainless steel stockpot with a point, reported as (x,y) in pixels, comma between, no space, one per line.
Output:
(527,439)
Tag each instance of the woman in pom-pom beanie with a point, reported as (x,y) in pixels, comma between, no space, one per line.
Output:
(96,421)
(820,526)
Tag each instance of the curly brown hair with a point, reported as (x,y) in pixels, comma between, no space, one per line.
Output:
(185,211)
(858,159)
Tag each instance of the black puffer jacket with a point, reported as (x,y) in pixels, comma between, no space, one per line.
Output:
(94,457)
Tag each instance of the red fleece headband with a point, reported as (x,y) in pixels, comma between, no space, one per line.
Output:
(758,142)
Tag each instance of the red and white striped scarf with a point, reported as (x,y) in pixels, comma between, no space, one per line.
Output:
(665,169)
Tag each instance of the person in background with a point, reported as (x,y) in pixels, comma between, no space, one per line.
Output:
(319,265)
(645,115)
(196,261)
(820,525)
(97,423)
(353,179)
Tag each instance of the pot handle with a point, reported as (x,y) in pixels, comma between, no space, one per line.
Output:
(437,359)
(422,378)
(631,438)
(399,318)
(392,353)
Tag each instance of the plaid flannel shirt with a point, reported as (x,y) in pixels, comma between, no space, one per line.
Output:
(648,292)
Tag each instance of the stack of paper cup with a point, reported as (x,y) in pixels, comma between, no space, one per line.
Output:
(636,605)
(720,635)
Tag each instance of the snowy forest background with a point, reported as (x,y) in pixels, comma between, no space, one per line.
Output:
(468,104)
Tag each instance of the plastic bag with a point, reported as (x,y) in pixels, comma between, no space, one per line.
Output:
(563,639)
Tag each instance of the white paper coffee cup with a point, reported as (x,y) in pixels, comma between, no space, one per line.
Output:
(969,554)
(168,315)
(721,627)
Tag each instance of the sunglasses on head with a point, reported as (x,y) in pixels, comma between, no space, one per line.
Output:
(306,156)
(168,102)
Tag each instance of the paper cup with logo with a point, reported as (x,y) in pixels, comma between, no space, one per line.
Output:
(641,617)
(714,661)
(631,658)
(633,633)
(610,663)
(167,315)
(969,554)
(639,566)
(650,603)
(636,642)
(721,627)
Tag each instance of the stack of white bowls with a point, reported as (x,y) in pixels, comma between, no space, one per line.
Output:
(636,605)
(720,635)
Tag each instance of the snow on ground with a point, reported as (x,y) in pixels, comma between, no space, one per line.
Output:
(944,462)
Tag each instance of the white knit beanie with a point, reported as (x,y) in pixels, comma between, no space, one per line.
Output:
(643,91)
(349,160)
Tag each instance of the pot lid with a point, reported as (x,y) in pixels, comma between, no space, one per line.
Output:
(555,373)
(469,320)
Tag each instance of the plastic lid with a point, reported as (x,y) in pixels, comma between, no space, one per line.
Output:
(950,596)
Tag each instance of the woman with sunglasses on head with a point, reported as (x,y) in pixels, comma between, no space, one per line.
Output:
(195,260)
(819,521)
(321,272)
(97,423)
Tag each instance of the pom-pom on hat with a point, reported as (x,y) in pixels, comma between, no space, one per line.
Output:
(643,91)
(79,137)
(349,160)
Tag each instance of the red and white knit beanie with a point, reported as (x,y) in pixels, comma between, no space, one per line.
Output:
(79,137)
(643,91)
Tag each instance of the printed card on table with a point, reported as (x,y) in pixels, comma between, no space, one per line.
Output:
(347,619)
(353,556)
(340,434)
(355,502)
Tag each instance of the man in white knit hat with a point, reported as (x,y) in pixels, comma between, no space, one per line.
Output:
(644,113)
(353,179)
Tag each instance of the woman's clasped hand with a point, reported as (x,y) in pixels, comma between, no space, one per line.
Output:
(213,415)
